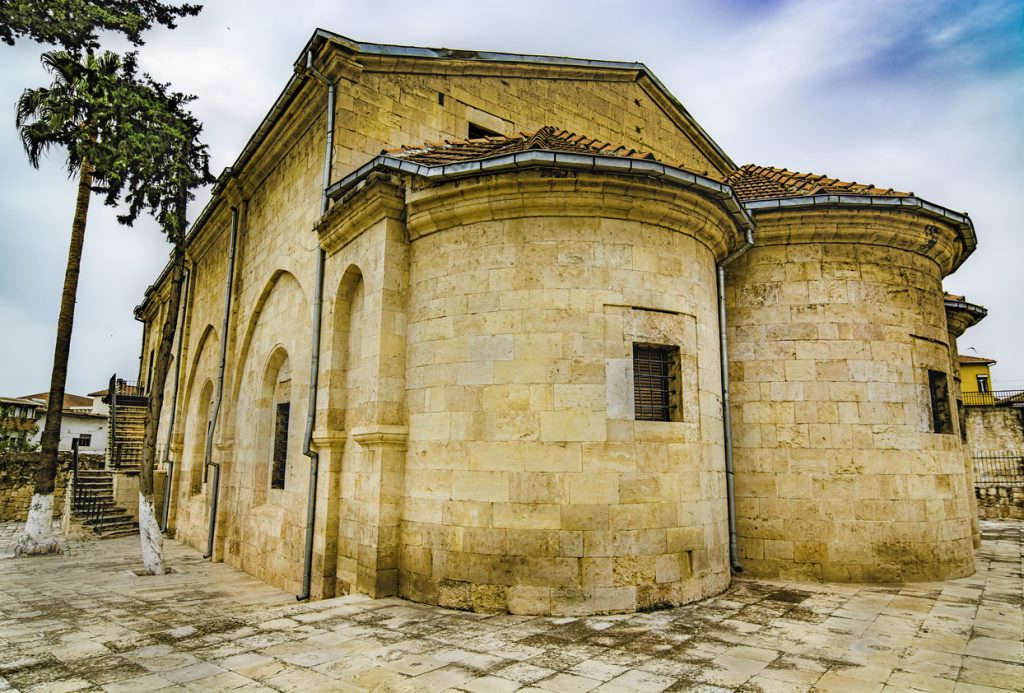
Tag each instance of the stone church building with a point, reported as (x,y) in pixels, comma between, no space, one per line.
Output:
(454,329)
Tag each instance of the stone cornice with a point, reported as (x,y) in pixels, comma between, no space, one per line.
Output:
(869,206)
(551,192)
(894,227)
(961,315)
(381,197)
(381,435)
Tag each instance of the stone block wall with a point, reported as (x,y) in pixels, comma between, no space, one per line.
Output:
(16,483)
(995,429)
(1001,502)
(839,474)
(529,485)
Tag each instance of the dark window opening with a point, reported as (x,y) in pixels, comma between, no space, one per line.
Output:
(84,440)
(982,383)
(280,459)
(477,132)
(440,98)
(655,382)
(942,416)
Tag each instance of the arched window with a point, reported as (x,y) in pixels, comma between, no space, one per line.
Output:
(281,412)
(204,412)
(274,426)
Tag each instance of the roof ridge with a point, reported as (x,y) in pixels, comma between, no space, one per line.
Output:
(548,137)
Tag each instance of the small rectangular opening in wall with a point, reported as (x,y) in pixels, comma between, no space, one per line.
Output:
(280,445)
(656,382)
(440,98)
(942,415)
(477,132)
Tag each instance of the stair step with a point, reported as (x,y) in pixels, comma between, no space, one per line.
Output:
(105,518)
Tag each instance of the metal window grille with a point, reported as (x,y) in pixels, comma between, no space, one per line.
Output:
(280,445)
(652,382)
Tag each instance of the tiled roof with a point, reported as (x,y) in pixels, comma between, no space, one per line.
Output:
(70,400)
(975,359)
(548,138)
(752,182)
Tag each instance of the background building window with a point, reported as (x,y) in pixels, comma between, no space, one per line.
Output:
(942,416)
(84,440)
(982,383)
(280,458)
(655,378)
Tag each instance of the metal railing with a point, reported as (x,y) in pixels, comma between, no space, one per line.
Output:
(85,502)
(999,469)
(126,388)
(995,398)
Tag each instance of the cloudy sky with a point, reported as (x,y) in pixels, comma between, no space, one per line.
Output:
(924,96)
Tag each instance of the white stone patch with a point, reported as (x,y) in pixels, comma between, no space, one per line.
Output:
(37,537)
(618,378)
(152,539)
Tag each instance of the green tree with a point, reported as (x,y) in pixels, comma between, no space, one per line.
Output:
(16,433)
(73,24)
(66,114)
(157,162)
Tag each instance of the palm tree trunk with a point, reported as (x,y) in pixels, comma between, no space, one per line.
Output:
(37,537)
(149,529)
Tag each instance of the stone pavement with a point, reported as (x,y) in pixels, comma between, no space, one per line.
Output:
(85,621)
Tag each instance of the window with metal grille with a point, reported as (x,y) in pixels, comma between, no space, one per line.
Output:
(655,374)
(942,415)
(280,445)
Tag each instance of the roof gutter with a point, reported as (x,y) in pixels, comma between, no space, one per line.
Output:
(314,358)
(962,222)
(542,158)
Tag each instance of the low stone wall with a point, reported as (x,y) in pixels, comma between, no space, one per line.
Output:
(16,481)
(999,502)
(994,429)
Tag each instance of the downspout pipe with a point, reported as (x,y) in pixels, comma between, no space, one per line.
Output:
(212,428)
(168,462)
(314,359)
(730,485)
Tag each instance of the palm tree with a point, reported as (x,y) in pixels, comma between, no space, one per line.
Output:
(65,114)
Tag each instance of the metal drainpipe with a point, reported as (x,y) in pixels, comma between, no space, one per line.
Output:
(211,429)
(314,360)
(168,462)
(730,488)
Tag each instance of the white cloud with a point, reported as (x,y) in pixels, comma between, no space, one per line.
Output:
(923,96)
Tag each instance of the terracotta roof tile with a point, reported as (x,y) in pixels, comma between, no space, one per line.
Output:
(752,182)
(548,138)
(70,400)
(964,358)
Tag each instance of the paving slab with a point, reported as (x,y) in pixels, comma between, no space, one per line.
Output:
(85,621)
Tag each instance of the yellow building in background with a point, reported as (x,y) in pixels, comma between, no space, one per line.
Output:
(976,380)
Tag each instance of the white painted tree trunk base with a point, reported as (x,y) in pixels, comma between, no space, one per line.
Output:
(37,539)
(152,539)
